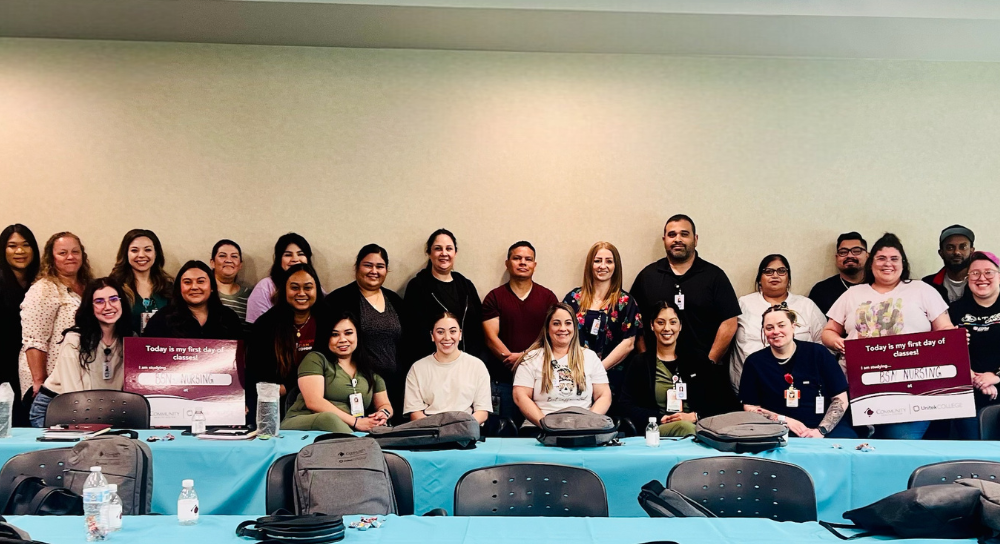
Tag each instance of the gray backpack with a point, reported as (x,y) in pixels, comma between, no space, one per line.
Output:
(576,427)
(123,461)
(741,432)
(343,475)
(446,430)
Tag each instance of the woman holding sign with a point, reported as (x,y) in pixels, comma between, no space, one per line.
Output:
(796,382)
(195,310)
(888,303)
(337,387)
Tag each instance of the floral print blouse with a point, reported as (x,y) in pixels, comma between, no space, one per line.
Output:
(619,321)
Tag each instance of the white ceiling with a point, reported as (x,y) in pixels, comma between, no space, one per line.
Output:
(953,30)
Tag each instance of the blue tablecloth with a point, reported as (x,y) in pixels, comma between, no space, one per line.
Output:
(230,475)
(451,530)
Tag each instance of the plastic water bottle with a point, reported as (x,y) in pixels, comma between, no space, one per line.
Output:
(114,510)
(198,422)
(6,406)
(268,414)
(187,504)
(95,505)
(653,433)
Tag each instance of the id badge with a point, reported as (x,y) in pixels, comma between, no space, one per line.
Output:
(357,405)
(107,370)
(682,390)
(820,409)
(674,404)
(144,318)
(792,397)
(679,300)
(595,327)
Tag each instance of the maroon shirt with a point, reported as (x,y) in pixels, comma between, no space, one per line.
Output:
(520,321)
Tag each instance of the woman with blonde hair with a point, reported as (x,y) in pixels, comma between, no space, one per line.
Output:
(556,372)
(139,270)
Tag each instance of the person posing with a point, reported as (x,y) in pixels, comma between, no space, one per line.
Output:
(226,263)
(607,316)
(888,303)
(850,259)
(139,270)
(955,246)
(771,287)
(18,270)
(337,386)
(512,316)
(49,308)
(194,310)
(281,338)
(556,372)
(448,380)
(289,250)
(796,382)
(91,357)
(979,314)
(379,313)
(438,288)
(667,382)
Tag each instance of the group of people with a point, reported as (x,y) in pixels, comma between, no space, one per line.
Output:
(677,346)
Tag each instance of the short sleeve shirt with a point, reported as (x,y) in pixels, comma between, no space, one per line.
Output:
(337,387)
(564,392)
(865,313)
(983,324)
(520,320)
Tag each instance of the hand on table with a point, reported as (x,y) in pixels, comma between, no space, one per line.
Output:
(796,426)
(811,433)
(379,418)
(680,416)
(366,424)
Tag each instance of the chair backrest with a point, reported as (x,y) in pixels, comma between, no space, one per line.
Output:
(120,409)
(46,464)
(946,472)
(989,423)
(531,489)
(280,483)
(747,487)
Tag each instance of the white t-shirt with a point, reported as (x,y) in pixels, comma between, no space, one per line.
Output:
(563,393)
(909,308)
(748,332)
(462,385)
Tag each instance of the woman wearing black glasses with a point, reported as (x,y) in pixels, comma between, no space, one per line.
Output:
(771,287)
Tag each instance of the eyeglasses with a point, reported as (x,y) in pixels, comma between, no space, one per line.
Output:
(772,271)
(988,274)
(783,307)
(111,299)
(856,250)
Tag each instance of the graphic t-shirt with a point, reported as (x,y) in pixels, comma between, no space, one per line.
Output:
(983,324)
(909,308)
(563,393)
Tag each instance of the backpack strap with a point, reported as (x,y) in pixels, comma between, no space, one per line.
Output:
(18,481)
(332,436)
(832,527)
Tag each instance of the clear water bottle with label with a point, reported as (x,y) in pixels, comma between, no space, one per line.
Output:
(653,433)
(114,510)
(96,497)
(198,422)
(187,504)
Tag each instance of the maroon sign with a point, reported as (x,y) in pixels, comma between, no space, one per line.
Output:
(910,377)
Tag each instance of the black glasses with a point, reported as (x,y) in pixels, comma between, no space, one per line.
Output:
(856,250)
(772,271)
(775,308)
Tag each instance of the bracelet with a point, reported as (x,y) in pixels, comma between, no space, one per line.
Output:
(355,426)
(386,412)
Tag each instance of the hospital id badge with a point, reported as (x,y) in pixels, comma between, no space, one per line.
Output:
(357,405)
(674,404)
(819,404)
(144,318)
(679,300)
(595,327)
(792,397)
(107,370)
(682,390)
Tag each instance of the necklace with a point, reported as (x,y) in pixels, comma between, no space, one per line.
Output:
(298,329)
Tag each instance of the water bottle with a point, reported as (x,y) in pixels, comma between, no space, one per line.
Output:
(95,505)
(268,414)
(6,406)
(187,504)
(114,510)
(198,422)
(653,433)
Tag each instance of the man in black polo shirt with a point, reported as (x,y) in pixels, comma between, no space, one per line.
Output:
(851,256)
(699,288)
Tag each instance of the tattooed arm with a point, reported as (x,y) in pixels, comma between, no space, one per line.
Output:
(835,412)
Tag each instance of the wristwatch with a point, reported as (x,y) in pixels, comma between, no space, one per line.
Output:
(821,430)
(781,418)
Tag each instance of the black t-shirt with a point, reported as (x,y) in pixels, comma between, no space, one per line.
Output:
(826,292)
(983,325)
(709,299)
(814,371)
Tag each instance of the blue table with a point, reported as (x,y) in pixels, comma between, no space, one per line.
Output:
(451,530)
(230,475)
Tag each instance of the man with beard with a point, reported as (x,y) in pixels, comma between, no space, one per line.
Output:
(851,256)
(955,246)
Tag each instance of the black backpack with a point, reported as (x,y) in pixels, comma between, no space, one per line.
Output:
(741,432)
(311,529)
(446,430)
(660,502)
(31,497)
(576,427)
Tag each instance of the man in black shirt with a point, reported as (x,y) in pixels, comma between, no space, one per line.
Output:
(851,256)
(700,289)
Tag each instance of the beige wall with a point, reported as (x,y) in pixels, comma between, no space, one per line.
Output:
(346,147)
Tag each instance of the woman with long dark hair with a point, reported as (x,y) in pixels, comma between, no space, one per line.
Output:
(91,357)
(195,310)
(139,270)
(289,250)
(17,272)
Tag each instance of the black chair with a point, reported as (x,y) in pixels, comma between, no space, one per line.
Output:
(531,489)
(120,409)
(495,426)
(747,487)
(946,472)
(279,490)
(989,423)
(46,464)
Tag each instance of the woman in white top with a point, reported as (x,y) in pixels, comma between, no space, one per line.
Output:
(290,249)
(49,308)
(886,305)
(771,287)
(448,380)
(556,372)
(91,354)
